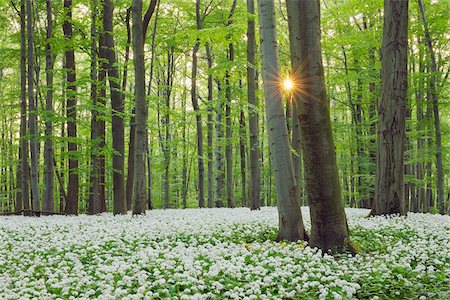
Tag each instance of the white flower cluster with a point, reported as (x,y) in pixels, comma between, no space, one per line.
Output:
(218,254)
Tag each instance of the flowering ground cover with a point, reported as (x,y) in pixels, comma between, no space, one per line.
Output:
(219,254)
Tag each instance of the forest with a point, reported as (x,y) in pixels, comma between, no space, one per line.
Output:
(224,149)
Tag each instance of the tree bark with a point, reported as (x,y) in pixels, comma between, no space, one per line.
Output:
(255,176)
(210,128)
(289,213)
(48,147)
(118,132)
(94,199)
(296,63)
(32,119)
(389,188)
(329,229)
(24,146)
(243,156)
(437,123)
(72,194)
(139,189)
(101,104)
(130,161)
(228,133)
(198,116)
(220,172)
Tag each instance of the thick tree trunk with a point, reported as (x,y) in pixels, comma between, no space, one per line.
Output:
(120,205)
(289,213)
(389,189)
(72,200)
(329,229)
(139,189)
(255,176)
(437,123)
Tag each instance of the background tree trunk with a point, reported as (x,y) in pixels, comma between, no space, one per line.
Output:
(24,146)
(72,194)
(48,147)
(437,123)
(118,132)
(255,176)
(32,115)
(139,192)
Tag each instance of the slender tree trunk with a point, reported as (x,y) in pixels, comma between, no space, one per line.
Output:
(118,132)
(130,162)
(139,192)
(24,146)
(165,140)
(255,176)
(72,200)
(210,128)
(32,119)
(94,207)
(48,147)
(101,105)
(389,191)
(198,116)
(437,123)
(228,134)
(329,229)
(419,95)
(220,174)
(150,78)
(228,120)
(243,156)
(289,213)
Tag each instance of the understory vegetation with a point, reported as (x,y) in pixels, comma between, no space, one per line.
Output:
(219,253)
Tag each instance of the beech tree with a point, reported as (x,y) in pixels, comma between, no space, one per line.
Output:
(139,189)
(118,135)
(289,213)
(73,184)
(389,186)
(32,115)
(329,229)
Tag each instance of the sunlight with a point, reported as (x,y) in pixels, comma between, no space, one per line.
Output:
(288,84)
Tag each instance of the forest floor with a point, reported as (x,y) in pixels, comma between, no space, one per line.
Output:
(219,254)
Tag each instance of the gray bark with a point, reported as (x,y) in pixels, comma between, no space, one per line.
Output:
(290,217)
(24,146)
(389,188)
(32,115)
(437,123)
(255,176)
(118,133)
(328,221)
(48,147)
(71,91)
(139,188)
